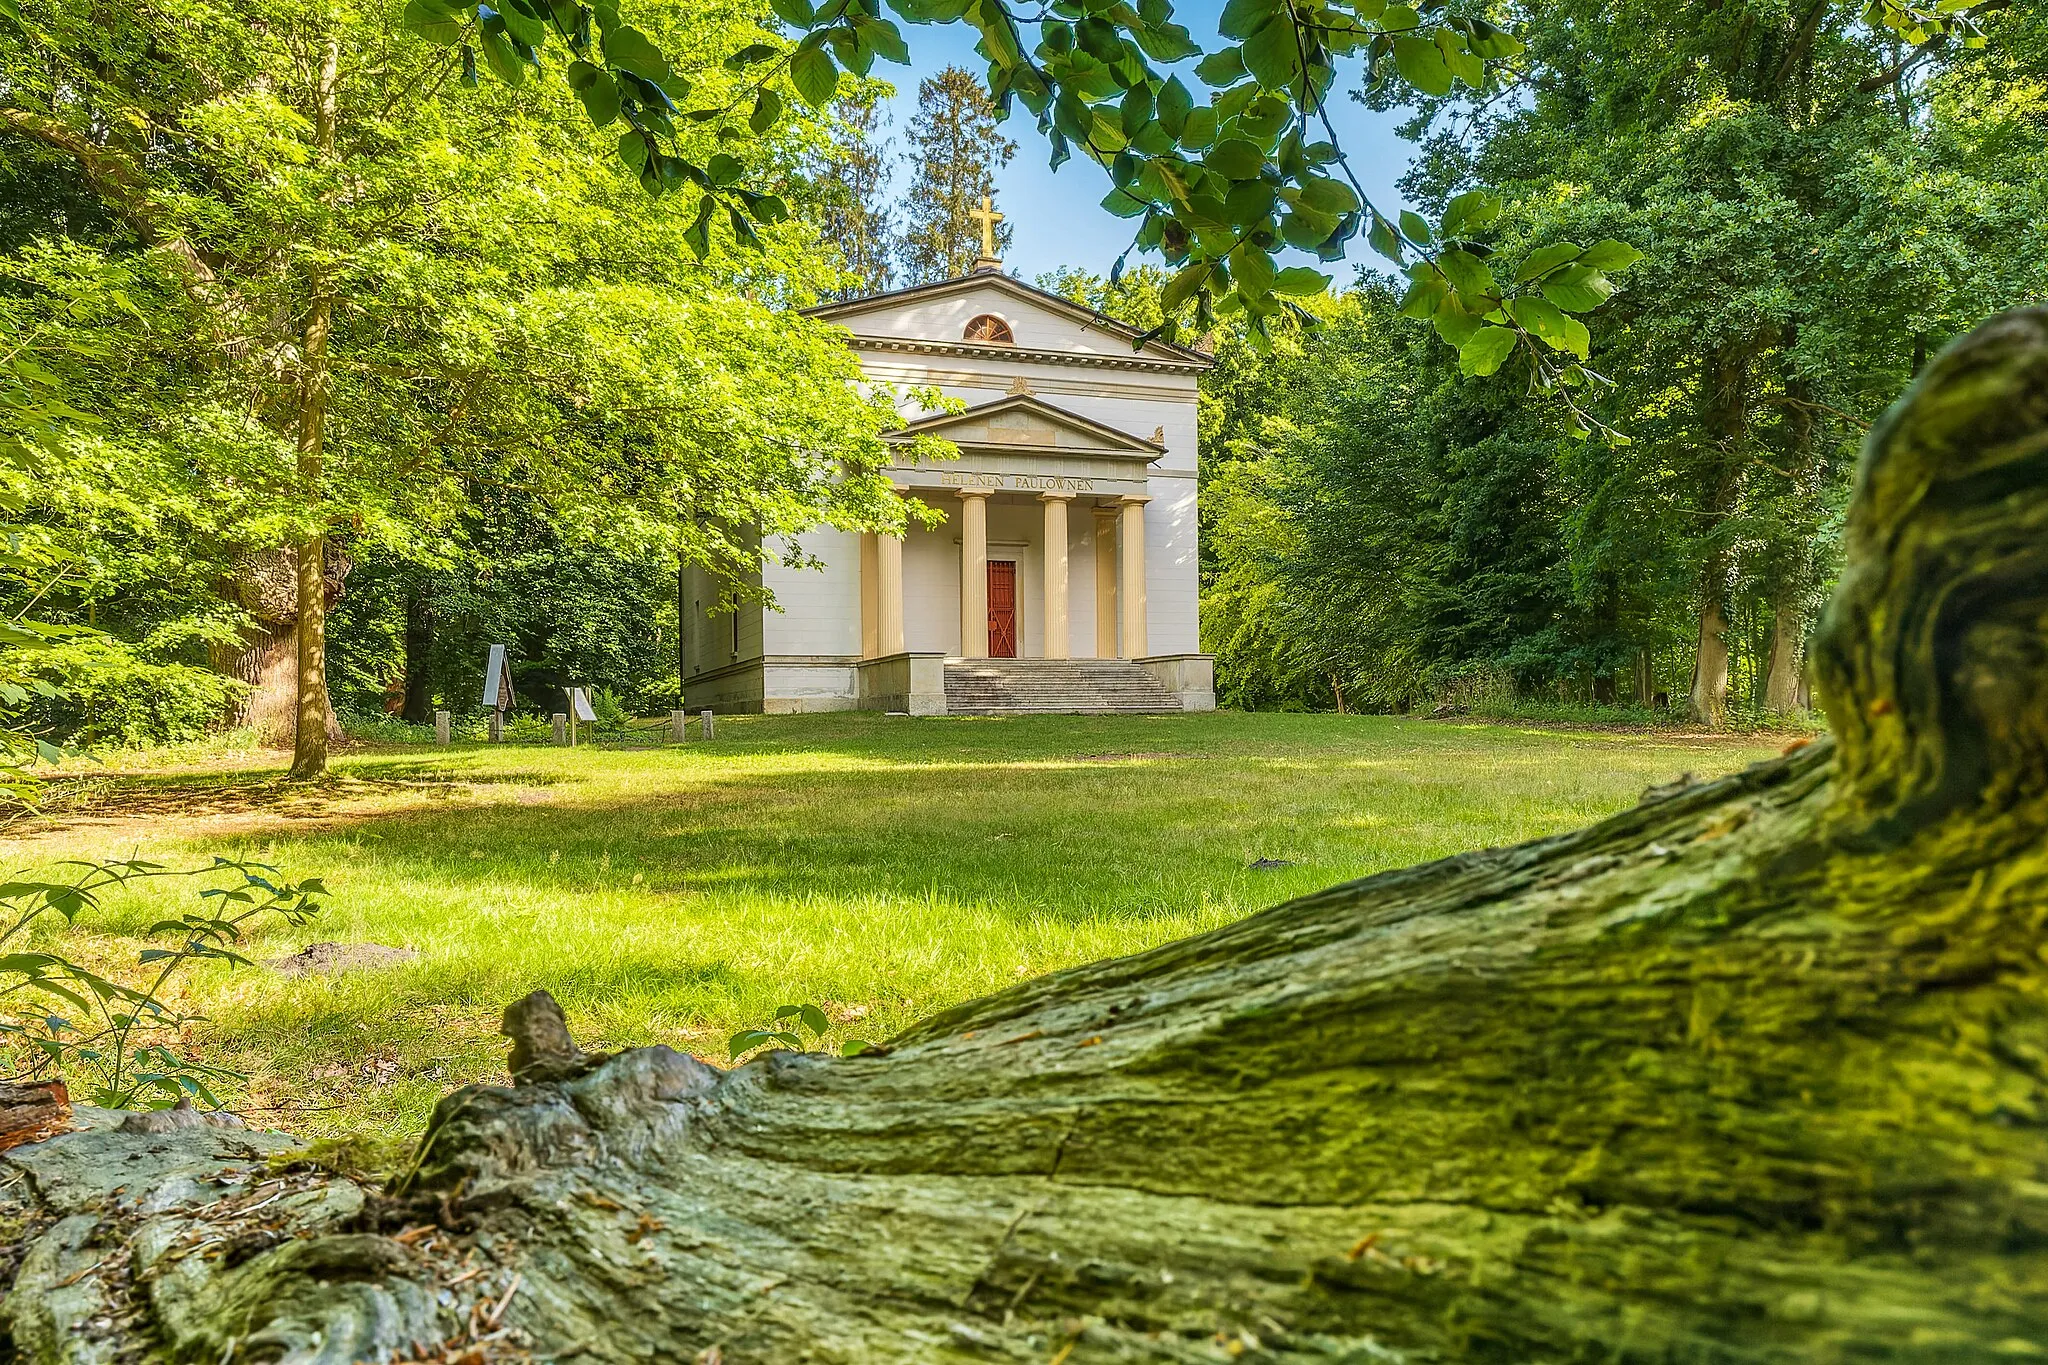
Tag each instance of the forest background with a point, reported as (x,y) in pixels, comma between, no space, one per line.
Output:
(543,402)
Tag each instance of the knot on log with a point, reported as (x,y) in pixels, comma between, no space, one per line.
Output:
(1933,656)
(542,1049)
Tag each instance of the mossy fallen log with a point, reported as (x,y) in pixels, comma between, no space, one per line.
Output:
(1753,1072)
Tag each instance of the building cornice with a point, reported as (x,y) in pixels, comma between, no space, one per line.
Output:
(973,351)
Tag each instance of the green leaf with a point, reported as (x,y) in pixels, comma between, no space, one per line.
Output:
(1300,281)
(854,1047)
(500,56)
(631,50)
(1235,158)
(1200,128)
(427,20)
(1578,288)
(815,76)
(1546,321)
(1383,239)
(1271,54)
(1423,296)
(1221,68)
(1452,322)
(1464,64)
(1422,65)
(1486,350)
(746,1040)
(1124,204)
(600,99)
(814,1019)
(1252,269)
(1470,211)
(1545,259)
(767,109)
(1182,286)
(1174,104)
(1415,229)
(633,149)
(1610,255)
(751,55)
(1491,42)
(885,38)
(1241,18)
(1326,195)
(796,12)
(723,170)
(1466,272)
(528,28)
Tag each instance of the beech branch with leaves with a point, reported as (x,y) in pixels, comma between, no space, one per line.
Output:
(1222,175)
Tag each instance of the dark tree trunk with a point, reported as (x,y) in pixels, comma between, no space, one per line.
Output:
(419,647)
(1755,1072)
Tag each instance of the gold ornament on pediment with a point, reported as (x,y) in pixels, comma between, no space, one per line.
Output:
(1020,385)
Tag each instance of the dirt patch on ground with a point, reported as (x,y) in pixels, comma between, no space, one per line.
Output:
(329,959)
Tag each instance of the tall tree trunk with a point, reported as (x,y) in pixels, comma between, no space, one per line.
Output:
(1751,1073)
(1725,419)
(419,645)
(1788,648)
(315,716)
(1710,669)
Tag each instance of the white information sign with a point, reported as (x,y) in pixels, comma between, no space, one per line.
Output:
(579,704)
(498,681)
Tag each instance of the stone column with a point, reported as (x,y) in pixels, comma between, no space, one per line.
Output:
(1105,582)
(974,573)
(1131,579)
(1055,553)
(888,596)
(870,596)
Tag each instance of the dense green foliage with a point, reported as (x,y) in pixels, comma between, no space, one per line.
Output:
(1383,524)
(349,307)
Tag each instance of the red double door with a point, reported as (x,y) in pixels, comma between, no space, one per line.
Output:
(1002,609)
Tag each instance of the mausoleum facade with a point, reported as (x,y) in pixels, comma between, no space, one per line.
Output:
(1064,576)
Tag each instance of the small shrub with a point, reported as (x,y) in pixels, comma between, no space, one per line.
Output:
(119,1038)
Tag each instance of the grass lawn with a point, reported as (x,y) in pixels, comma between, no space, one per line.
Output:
(881,867)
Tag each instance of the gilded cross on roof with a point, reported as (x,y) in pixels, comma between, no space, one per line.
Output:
(987,216)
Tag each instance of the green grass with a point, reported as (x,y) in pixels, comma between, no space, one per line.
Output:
(881,867)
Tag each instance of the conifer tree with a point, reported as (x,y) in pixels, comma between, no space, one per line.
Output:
(860,214)
(956,149)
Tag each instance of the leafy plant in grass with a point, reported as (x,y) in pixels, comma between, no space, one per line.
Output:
(117,1036)
(785,1036)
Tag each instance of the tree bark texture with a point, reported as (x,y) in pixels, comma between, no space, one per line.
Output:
(267,586)
(1754,1072)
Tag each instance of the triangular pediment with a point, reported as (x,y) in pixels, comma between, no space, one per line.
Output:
(1025,422)
(918,313)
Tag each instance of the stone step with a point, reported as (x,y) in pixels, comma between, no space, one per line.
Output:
(1054,686)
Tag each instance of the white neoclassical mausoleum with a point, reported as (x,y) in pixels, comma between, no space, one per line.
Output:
(1064,575)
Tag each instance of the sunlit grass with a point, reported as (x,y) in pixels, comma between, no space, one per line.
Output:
(881,867)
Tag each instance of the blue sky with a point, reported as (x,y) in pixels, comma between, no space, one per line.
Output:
(1057,214)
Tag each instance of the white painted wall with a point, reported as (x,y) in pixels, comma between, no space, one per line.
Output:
(819,609)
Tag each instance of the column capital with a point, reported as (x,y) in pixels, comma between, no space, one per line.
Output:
(974,492)
(1132,500)
(1058,496)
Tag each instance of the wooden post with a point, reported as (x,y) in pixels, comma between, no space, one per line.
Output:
(497,727)
(707,718)
(561,729)
(679,726)
(572,727)
(441,726)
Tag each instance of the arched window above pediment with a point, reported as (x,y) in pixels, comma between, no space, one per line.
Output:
(989,330)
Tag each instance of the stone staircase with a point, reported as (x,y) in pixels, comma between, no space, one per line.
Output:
(1088,687)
